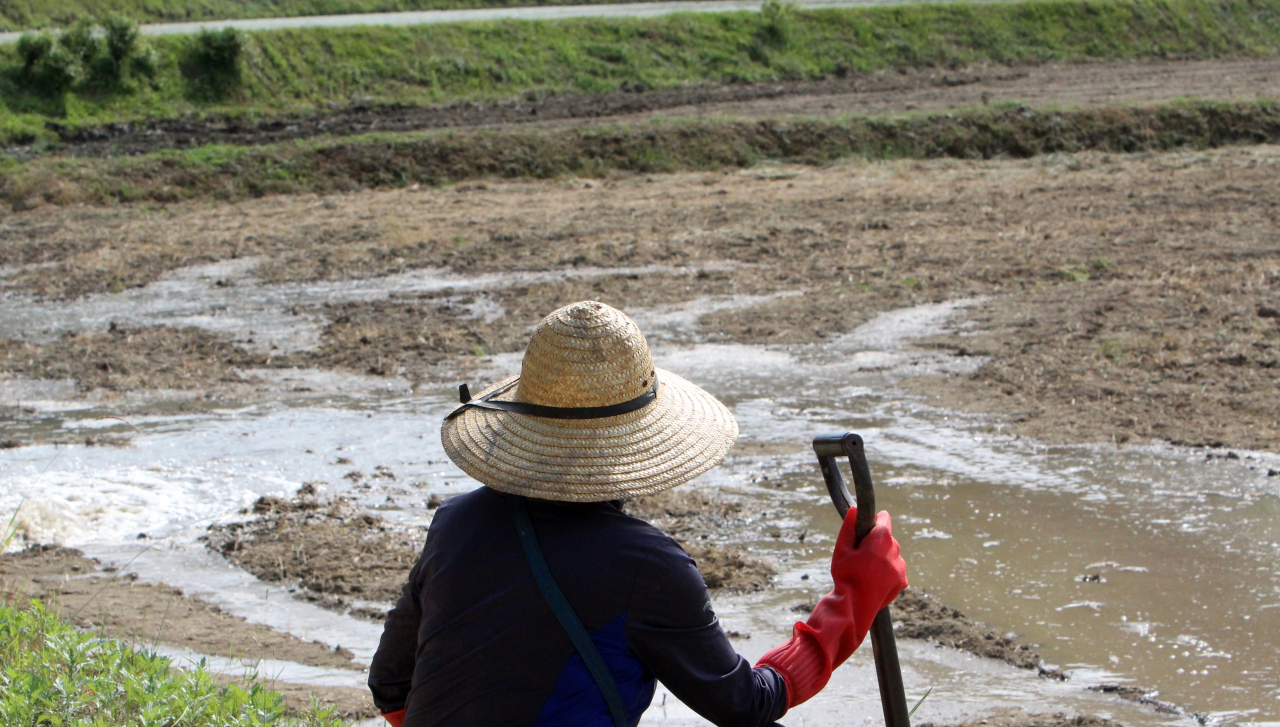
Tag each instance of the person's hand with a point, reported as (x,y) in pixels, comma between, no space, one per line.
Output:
(875,566)
(867,578)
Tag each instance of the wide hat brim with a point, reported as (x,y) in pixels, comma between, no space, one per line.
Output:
(684,432)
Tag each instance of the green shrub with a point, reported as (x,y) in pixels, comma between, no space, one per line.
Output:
(211,64)
(122,38)
(48,69)
(81,60)
(32,47)
(79,41)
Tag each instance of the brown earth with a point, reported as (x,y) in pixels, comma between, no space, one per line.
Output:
(1131,296)
(126,359)
(338,554)
(1191,357)
(916,615)
(891,91)
(696,519)
(1019,718)
(333,551)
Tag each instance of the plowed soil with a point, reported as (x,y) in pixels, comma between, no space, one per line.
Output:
(1130,296)
(340,557)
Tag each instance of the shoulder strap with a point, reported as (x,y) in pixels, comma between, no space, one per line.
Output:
(564,612)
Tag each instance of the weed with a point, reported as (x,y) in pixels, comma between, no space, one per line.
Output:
(1112,349)
(912,713)
(53,674)
(1074,275)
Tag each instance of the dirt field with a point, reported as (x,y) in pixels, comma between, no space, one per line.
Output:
(1130,297)
(311,542)
(887,92)
(1018,718)
(1126,298)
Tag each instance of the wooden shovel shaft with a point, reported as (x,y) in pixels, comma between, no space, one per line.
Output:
(828,447)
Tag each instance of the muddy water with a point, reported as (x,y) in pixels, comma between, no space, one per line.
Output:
(1154,567)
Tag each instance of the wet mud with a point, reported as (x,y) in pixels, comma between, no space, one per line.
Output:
(126,359)
(697,519)
(349,560)
(1191,357)
(917,615)
(116,604)
(339,557)
(890,91)
(1019,718)
(1145,697)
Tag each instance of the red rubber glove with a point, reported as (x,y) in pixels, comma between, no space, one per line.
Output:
(867,578)
(396,718)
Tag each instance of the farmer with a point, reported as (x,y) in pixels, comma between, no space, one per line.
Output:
(513,572)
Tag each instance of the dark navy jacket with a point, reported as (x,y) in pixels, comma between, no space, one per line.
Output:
(472,641)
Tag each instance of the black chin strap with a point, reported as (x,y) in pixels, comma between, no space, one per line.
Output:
(551,412)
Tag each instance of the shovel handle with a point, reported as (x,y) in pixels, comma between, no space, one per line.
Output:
(829,447)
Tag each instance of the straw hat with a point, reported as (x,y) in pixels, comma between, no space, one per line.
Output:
(555,432)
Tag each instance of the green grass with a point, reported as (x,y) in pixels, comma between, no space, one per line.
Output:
(434,158)
(51,674)
(288,71)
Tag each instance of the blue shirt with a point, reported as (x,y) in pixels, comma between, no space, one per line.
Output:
(472,641)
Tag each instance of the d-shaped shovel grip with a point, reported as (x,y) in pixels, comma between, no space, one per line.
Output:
(828,447)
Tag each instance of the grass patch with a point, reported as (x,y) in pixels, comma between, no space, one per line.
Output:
(350,163)
(51,674)
(281,71)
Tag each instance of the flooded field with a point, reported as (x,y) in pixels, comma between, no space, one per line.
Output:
(1145,565)
(1136,567)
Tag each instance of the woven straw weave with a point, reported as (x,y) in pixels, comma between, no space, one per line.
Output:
(583,355)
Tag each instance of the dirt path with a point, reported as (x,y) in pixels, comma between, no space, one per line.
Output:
(888,92)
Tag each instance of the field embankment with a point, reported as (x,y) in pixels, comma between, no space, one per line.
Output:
(282,72)
(352,163)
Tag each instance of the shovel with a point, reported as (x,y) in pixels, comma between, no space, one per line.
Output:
(828,447)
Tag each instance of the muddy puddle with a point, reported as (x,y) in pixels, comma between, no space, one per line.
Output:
(1149,567)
